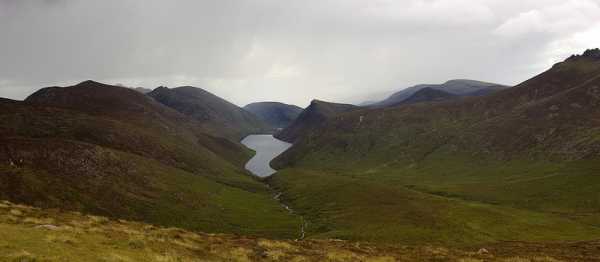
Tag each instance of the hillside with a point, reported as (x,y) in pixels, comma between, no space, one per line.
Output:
(142,90)
(112,151)
(32,234)
(459,87)
(216,115)
(311,118)
(277,115)
(427,95)
(518,164)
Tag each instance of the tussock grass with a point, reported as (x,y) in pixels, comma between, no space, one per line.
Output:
(77,237)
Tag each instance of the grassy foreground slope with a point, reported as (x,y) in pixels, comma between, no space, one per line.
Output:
(520,164)
(32,234)
(112,151)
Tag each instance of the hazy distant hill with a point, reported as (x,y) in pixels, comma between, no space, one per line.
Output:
(312,117)
(427,94)
(215,114)
(459,87)
(142,90)
(277,115)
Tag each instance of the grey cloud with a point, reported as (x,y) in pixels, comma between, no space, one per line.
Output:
(292,51)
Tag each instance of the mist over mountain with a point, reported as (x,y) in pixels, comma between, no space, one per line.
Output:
(277,115)
(427,94)
(142,90)
(458,87)
(315,130)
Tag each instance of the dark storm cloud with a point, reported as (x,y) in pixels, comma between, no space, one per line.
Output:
(290,51)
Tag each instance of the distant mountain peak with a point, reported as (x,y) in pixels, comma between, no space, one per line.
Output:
(277,115)
(595,53)
(92,96)
(312,117)
(590,53)
(161,88)
(88,83)
(429,94)
(469,82)
(457,87)
(142,90)
(216,114)
(317,101)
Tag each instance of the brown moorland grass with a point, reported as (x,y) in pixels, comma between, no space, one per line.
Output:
(26,235)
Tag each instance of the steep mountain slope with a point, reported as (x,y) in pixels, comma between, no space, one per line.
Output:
(112,151)
(216,115)
(459,87)
(551,111)
(311,118)
(277,115)
(125,110)
(455,171)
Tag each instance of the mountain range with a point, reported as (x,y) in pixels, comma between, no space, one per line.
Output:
(112,151)
(457,87)
(215,114)
(277,115)
(311,118)
(465,171)
(516,164)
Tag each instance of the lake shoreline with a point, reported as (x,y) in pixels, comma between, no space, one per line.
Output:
(266,148)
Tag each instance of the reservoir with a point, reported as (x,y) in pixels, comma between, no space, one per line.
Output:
(267,147)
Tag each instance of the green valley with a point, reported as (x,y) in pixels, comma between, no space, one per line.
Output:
(518,165)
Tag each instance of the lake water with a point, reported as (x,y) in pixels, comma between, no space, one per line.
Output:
(267,147)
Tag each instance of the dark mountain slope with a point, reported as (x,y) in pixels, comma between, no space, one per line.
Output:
(312,118)
(277,115)
(216,115)
(97,98)
(427,95)
(561,100)
(112,151)
(532,149)
(124,119)
(459,87)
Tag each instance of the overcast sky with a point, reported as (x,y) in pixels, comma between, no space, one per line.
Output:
(289,51)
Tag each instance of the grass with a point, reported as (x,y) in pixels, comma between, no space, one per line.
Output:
(358,208)
(124,185)
(151,165)
(74,236)
(518,165)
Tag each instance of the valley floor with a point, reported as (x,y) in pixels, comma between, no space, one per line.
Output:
(32,234)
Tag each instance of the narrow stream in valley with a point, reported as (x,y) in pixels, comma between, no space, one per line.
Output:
(267,148)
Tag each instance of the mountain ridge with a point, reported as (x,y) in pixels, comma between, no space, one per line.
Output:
(112,151)
(311,118)
(459,87)
(532,148)
(215,114)
(276,114)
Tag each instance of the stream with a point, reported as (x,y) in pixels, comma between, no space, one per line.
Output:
(267,148)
